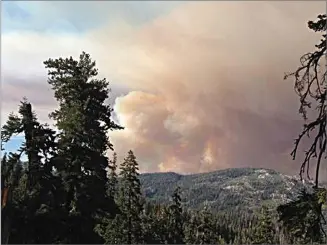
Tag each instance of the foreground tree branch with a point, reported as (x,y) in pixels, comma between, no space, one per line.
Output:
(310,86)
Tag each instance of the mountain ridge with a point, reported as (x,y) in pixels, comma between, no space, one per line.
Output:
(221,170)
(229,189)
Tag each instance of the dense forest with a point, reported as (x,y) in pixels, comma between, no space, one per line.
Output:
(63,193)
(227,190)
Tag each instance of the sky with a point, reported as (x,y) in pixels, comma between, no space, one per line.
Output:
(198,86)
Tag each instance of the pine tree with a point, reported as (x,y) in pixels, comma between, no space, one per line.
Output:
(83,119)
(36,195)
(191,226)
(208,227)
(265,232)
(175,219)
(154,224)
(110,226)
(113,177)
(11,172)
(302,218)
(130,201)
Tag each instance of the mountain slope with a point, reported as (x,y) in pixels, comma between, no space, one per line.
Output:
(224,190)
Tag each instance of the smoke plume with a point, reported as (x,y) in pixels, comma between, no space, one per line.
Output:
(207,85)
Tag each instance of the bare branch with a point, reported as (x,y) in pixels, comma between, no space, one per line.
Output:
(310,85)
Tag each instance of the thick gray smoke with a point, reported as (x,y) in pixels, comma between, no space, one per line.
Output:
(208,89)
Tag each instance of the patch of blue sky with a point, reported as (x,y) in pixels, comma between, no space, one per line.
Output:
(13,10)
(78,16)
(13,144)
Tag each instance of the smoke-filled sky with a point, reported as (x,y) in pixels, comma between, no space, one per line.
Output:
(198,86)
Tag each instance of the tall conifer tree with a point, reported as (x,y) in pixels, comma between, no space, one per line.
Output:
(83,119)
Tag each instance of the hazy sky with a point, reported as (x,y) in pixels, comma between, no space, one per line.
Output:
(198,86)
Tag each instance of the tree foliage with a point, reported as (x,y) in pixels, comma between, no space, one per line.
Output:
(302,218)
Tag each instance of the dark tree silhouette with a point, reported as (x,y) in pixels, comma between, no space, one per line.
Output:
(310,85)
(302,218)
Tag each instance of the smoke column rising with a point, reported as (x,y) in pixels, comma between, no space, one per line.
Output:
(207,88)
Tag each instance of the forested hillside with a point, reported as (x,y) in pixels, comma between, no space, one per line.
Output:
(243,189)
